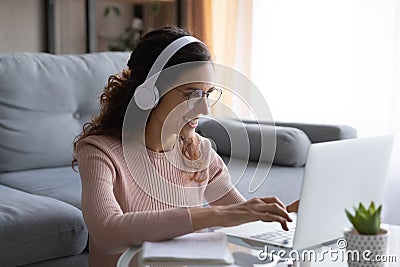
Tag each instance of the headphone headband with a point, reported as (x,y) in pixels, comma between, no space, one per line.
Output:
(168,52)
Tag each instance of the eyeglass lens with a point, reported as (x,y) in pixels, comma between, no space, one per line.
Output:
(212,96)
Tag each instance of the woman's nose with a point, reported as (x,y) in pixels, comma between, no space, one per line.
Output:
(201,107)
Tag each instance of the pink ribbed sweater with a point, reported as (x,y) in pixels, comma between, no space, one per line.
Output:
(118,201)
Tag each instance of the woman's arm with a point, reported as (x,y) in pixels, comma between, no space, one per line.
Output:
(220,190)
(110,228)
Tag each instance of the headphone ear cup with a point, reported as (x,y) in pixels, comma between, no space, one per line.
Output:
(145,97)
(156,96)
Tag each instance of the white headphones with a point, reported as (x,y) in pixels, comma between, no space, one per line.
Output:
(147,95)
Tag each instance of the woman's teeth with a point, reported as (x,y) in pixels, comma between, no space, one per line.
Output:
(191,122)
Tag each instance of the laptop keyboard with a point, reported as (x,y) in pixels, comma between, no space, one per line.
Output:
(277,236)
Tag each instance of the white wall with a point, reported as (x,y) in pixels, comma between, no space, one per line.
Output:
(22,26)
(326,61)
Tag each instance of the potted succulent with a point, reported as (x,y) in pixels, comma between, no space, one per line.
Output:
(366,237)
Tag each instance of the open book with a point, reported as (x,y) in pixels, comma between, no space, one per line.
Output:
(197,248)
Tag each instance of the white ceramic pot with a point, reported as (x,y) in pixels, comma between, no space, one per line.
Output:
(369,247)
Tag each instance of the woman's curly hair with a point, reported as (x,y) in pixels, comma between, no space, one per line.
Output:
(120,88)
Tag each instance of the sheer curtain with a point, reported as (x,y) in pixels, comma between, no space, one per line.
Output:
(225,26)
(332,62)
(231,42)
(197,18)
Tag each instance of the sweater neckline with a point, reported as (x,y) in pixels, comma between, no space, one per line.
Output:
(161,155)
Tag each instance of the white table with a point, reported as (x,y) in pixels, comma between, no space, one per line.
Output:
(247,254)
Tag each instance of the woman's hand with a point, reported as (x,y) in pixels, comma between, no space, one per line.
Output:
(267,209)
(293,207)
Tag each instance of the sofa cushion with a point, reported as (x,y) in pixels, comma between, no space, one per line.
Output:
(60,183)
(36,228)
(81,260)
(44,100)
(291,143)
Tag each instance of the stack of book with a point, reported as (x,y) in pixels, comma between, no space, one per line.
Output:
(196,248)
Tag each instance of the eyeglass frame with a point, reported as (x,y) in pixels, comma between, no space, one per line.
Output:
(202,94)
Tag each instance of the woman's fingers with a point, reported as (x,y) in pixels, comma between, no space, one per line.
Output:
(270,212)
(269,217)
(278,210)
(273,200)
(272,205)
(265,209)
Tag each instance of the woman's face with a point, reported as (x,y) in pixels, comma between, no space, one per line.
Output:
(177,113)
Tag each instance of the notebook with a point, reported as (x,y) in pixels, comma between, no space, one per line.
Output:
(199,248)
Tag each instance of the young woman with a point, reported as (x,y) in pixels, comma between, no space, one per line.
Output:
(119,210)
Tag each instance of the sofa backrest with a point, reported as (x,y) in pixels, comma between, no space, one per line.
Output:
(44,101)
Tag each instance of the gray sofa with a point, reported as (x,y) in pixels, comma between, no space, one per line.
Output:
(44,101)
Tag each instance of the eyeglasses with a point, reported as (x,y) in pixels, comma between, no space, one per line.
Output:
(195,97)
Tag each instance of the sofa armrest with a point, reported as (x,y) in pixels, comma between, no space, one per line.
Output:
(318,133)
(286,146)
(292,139)
(323,132)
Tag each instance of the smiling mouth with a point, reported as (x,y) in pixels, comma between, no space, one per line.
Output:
(191,122)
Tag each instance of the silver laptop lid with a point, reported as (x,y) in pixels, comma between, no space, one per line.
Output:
(339,175)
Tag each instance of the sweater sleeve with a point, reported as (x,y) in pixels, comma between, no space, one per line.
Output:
(220,190)
(110,228)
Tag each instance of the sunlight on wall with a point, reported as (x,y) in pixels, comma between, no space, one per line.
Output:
(331,62)
(325,61)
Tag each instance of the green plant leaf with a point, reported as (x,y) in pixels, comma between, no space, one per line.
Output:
(117,11)
(371,208)
(366,222)
(113,9)
(350,216)
(376,222)
(358,214)
(367,229)
(362,208)
(379,210)
(156,6)
(106,11)
(378,218)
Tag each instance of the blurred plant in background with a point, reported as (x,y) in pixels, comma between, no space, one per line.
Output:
(128,40)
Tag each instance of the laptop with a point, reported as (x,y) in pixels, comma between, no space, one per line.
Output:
(338,175)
